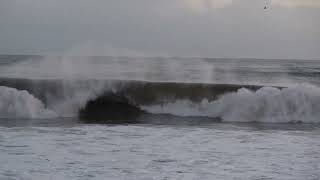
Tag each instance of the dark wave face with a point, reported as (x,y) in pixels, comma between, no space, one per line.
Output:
(110,108)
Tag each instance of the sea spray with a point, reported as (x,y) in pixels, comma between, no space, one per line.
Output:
(74,96)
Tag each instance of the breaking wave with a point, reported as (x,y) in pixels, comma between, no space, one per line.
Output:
(21,104)
(268,105)
(117,100)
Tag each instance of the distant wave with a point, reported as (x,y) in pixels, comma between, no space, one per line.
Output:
(124,101)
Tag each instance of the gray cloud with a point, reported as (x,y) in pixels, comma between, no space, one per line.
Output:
(214,28)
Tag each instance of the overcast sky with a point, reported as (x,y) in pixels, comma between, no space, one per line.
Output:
(206,28)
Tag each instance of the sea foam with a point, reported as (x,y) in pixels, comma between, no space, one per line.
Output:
(268,104)
(21,104)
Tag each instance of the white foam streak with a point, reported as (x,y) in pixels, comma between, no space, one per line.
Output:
(272,105)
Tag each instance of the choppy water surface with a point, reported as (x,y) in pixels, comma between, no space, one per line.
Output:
(217,151)
(158,118)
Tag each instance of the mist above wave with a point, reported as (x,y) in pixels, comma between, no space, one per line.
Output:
(168,69)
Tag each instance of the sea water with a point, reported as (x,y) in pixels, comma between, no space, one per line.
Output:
(193,118)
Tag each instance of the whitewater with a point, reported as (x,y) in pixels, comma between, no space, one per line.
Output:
(71,117)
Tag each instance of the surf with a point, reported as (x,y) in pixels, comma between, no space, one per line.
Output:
(125,101)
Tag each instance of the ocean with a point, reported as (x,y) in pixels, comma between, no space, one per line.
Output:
(100,117)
